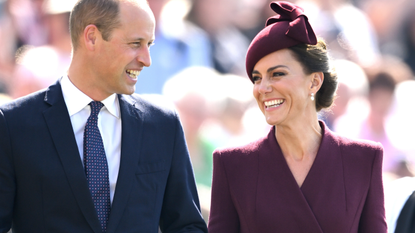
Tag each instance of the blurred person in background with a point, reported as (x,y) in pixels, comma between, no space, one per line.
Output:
(191,90)
(29,21)
(179,44)
(394,66)
(226,126)
(8,42)
(301,177)
(23,25)
(227,43)
(381,93)
(367,115)
(388,18)
(250,16)
(350,95)
(346,29)
(40,66)
(409,40)
(212,116)
(3,87)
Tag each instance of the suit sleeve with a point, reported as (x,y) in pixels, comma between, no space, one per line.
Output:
(181,208)
(223,215)
(7,181)
(372,219)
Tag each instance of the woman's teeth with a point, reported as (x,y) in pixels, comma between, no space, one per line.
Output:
(273,103)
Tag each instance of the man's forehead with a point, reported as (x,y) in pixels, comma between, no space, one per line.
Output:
(136,2)
(136,21)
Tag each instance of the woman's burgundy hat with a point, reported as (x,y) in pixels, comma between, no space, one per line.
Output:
(290,27)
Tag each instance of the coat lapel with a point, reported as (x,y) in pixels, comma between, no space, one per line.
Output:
(324,187)
(132,132)
(60,128)
(285,200)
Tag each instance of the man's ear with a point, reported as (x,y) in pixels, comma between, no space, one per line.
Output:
(90,36)
(317,79)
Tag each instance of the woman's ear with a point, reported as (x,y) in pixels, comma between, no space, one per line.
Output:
(90,36)
(317,79)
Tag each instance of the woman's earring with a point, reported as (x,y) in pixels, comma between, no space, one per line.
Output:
(312,96)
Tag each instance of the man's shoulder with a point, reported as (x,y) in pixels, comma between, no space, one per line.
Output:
(25,103)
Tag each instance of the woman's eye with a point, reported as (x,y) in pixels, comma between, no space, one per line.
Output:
(255,78)
(277,74)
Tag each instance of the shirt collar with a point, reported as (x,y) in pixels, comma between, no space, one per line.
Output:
(76,100)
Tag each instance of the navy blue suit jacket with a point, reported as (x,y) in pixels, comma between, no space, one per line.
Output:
(42,181)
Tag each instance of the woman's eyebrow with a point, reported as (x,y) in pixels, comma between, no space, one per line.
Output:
(275,67)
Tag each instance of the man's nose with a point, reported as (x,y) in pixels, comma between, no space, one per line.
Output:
(144,56)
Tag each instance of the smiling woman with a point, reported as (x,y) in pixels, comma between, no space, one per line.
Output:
(301,177)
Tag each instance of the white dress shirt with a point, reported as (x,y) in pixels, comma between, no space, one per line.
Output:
(109,124)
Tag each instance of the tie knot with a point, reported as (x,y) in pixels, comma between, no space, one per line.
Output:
(95,107)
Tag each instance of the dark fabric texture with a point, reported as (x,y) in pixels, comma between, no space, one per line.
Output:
(406,219)
(253,189)
(43,187)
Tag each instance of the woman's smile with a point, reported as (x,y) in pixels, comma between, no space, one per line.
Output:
(272,104)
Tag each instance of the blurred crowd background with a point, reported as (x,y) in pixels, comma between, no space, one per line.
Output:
(198,63)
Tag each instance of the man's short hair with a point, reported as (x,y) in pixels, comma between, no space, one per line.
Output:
(104,14)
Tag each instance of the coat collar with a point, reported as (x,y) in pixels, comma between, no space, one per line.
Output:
(323,182)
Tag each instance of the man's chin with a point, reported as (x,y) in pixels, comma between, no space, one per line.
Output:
(127,91)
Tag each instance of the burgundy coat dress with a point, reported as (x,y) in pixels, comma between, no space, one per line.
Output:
(254,191)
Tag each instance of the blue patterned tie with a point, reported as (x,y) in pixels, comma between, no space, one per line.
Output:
(96,167)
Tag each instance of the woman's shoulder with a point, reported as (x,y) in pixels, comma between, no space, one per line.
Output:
(238,150)
(349,143)
(248,150)
(360,158)
(357,151)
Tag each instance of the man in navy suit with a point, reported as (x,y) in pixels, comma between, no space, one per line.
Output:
(43,185)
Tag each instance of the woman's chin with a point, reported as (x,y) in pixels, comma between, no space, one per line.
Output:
(272,121)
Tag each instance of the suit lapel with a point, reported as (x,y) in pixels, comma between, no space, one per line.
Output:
(60,128)
(132,132)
